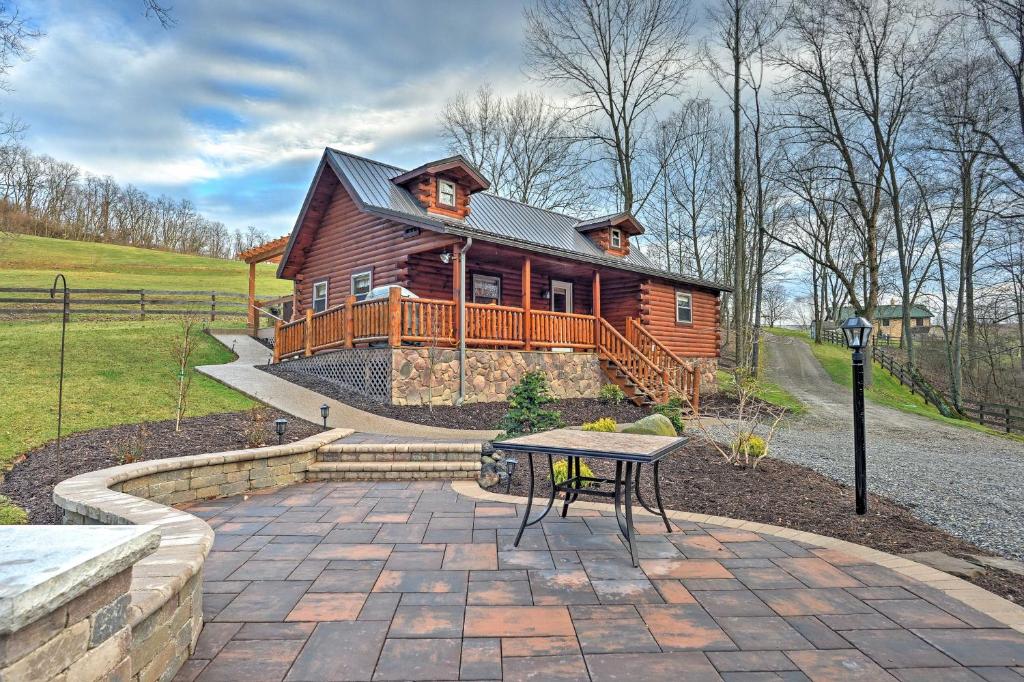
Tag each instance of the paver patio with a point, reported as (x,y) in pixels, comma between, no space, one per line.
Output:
(412,581)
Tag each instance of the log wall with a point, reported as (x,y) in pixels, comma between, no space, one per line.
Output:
(701,338)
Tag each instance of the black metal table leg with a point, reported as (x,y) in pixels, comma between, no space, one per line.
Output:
(569,476)
(629,514)
(618,499)
(657,497)
(529,500)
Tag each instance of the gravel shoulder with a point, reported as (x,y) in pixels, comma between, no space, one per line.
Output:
(968,483)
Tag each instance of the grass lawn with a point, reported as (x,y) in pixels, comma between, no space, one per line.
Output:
(885,390)
(27,261)
(115,373)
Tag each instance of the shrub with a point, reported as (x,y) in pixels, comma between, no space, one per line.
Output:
(11,514)
(562,472)
(652,425)
(132,447)
(526,411)
(606,424)
(749,446)
(673,413)
(610,393)
(256,432)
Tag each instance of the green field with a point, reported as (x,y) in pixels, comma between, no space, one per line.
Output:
(885,390)
(115,373)
(27,261)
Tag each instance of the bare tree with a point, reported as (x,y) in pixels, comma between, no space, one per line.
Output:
(523,145)
(183,345)
(774,303)
(695,181)
(620,59)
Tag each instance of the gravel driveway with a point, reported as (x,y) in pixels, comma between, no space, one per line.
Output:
(966,482)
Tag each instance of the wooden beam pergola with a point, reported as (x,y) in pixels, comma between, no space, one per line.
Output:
(268,252)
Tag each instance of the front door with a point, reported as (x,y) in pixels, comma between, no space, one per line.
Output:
(561,296)
(561,302)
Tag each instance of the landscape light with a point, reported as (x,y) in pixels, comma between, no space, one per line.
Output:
(857,331)
(325,410)
(280,425)
(510,467)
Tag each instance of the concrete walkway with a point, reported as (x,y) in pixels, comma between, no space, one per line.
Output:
(243,376)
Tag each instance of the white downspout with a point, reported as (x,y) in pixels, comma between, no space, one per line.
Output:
(462,320)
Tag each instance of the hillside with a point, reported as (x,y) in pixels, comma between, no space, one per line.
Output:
(27,261)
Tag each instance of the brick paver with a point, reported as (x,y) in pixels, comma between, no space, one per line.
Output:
(411,581)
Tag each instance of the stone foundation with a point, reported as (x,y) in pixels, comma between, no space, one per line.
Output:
(420,376)
(708,368)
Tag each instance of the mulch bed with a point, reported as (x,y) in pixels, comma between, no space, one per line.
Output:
(486,416)
(30,482)
(699,480)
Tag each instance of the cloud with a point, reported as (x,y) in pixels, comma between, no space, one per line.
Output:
(240,98)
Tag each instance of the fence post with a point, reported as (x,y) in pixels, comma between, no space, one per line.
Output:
(981,413)
(1006,409)
(695,401)
(394,317)
(142,304)
(309,331)
(348,333)
(213,306)
(277,341)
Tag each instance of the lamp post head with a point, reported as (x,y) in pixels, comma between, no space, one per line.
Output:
(857,331)
(325,410)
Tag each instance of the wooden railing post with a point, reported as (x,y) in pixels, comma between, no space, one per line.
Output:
(595,295)
(349,322)
(527,304)
(394,317)
(665,389)
(309,332)
(277,341)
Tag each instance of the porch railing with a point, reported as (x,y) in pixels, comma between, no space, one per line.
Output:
(562,330)
(683,380)
(650,366)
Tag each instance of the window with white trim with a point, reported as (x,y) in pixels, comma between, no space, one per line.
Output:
(445,193)
(362,282)
(684,308)
(319,296)
(616,238)
(486,289)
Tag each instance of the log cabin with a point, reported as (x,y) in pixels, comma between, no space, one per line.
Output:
(425,263)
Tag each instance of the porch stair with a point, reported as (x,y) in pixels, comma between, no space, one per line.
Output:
(645,370)
(396,461)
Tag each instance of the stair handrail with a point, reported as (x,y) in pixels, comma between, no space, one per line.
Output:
(677,363)
(636,326)
(651,391)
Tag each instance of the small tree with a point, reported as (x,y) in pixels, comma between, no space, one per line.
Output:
(526,411)
(183,346)
(744,445)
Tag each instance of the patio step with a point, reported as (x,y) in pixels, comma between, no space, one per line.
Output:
(392,471)
(400,452)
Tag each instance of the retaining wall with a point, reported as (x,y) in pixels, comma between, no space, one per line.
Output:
(165,614)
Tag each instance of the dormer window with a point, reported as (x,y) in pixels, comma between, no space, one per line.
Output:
(616,238)
(445,193)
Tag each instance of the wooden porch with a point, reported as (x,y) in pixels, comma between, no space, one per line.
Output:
(634,359)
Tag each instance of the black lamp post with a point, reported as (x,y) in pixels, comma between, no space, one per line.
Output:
(857,331)
(325,410)
(280,425)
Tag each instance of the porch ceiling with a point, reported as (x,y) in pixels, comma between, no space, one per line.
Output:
(484,253)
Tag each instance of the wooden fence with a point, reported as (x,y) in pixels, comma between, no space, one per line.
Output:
(1007,418)
(29,302)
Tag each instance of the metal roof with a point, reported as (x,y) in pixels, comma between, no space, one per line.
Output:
(491,217)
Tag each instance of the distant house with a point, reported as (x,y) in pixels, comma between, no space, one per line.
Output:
(889,319)
(377,259)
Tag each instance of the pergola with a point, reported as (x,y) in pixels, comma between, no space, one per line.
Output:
(268,252)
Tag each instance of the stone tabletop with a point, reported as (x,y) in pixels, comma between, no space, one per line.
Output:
(594,444)
(44,567)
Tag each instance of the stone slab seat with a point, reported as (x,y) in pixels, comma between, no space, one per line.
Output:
(401,452)
(141,493)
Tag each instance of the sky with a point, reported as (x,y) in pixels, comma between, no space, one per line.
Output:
(233,105)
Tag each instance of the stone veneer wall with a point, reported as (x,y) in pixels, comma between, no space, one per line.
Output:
(84,640)
(708,368)
(165,614)
(490,374)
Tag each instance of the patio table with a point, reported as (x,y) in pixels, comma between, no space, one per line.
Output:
(628,451)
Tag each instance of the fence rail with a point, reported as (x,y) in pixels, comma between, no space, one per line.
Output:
(27,302)
(1007,418)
